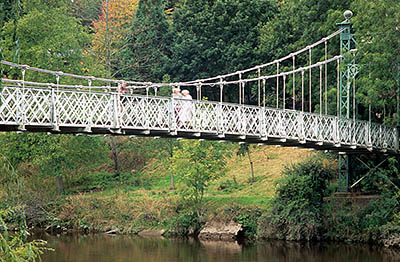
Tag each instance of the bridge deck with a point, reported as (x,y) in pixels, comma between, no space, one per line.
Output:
(72,111)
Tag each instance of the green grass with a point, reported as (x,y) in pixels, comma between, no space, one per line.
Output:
(102,201)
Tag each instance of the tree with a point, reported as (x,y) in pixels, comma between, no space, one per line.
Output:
(245,149)
(296,211)
(167,147)
(111,28)
(15,247)
(87,11)
(296,25)
(133,152)
(9,10)
(57,156)
(69,155)
(377,26)
(216,37)
(147,43)
(49,38)
(198,163)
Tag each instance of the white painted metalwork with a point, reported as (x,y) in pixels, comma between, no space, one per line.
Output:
(73,111)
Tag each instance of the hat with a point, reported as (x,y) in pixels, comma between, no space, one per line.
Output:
(176,89)
(185,91)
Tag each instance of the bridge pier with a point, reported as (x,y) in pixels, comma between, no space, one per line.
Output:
(346,86)
(344,172)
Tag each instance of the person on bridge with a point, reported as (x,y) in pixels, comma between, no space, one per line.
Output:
(186,113)
(176,94)
(121,90)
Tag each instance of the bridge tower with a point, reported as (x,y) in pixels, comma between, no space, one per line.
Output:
(348,72)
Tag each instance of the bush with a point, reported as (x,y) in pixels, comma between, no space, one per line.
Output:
(247,217)
(184,223)
(390,235)
(15,247)
(296,211)
(354,222)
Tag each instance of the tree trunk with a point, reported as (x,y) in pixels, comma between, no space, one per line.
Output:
(60,184)
(108,38)
(251,166)
(172,181)
(114,151)
(171,154)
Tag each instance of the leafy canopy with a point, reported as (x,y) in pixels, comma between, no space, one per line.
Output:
(197,163)
(48,38)
(146,43)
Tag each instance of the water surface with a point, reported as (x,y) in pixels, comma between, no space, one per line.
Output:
(105,248)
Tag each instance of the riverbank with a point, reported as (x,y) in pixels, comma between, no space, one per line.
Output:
(130,203)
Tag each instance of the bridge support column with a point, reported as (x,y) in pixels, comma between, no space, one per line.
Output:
(347,76)
(344,172)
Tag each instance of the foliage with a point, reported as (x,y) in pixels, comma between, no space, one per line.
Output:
(247,217)
(216,37)
(356,222)
(147,43)
(296,212)
(382,179)
(120,15)
(296,25)
(378,39)
(184,222)
(103,180)
(15,247)
(87,11)
(9,10)
(10,183)
(56,155)
(299,23)
(196,164)
(229,186)
(48,38)
(134,153)
(390,233)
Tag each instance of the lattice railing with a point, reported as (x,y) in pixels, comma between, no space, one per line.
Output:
(50,107)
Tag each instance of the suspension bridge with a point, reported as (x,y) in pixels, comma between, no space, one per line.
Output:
(75,109)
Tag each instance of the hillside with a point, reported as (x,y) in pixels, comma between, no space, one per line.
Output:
(130,205)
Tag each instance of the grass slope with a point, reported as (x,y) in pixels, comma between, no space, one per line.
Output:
(269,162)
(130,202)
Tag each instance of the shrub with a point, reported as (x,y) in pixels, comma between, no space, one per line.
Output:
(354,222)
(14,248)
(184,224)
(297,208)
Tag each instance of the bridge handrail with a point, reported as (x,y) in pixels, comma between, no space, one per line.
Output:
(50,86)
(50,106)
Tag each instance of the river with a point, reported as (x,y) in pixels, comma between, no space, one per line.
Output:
(107,248)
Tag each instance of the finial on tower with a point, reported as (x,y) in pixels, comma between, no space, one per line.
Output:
(348,14)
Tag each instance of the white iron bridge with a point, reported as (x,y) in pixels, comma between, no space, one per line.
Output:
(46,109)
(108,109)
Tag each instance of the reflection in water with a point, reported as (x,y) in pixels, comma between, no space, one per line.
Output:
(102,248)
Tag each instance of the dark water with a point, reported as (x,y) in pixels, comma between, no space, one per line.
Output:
(102,248)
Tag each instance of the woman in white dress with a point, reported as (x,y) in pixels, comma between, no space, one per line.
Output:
(176,94)
(186,112)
